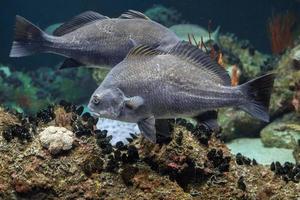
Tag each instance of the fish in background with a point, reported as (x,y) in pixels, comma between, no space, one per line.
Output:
(184,82)
(91,38)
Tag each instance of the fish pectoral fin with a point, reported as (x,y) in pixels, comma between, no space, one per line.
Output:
(147,127)
(209,119)
(134,102)
(78,21)
(70,63)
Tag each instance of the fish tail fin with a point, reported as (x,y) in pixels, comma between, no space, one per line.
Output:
(28,38)
(258,93)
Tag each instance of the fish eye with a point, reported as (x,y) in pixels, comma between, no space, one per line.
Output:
(96,99)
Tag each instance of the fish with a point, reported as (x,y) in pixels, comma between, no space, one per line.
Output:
(92,39)
(151,84)
(184,30)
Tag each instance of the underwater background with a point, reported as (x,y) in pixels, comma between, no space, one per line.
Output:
(248,159)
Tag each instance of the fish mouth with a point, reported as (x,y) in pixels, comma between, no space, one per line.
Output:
(94,113)
(102,115)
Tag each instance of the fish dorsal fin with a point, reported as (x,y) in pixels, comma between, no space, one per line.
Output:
(77,22)
(199,58)
(132,14)
(143,50)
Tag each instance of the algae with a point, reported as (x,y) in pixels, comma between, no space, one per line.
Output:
(183,168)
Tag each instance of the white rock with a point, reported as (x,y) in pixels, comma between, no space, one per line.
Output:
(57,139)
(119,130)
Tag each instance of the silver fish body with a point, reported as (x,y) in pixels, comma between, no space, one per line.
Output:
(108,41)
(183,82)
(98,40)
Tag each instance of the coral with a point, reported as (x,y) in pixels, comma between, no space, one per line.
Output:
(240,52)
(285,85)
(284,98)
(280,29)
(296,59)
(206,181)
(235,77)
(7,119)
(63,118)
(296,98)
(56,139)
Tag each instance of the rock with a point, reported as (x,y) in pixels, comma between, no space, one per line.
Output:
(252,63)
(296,59)
(50,29)
(237,123)
(173,170)
(7,119)
(296,152)
(287,76)
(282,133)
(163,15)
(57,139)
(183,30)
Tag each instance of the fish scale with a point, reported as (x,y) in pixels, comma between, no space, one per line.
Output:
(92,39)
(152,84)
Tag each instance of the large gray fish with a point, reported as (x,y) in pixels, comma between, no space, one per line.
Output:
(91,38)
(184,82)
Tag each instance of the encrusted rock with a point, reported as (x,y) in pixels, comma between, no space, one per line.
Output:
(296,59)
(7,119)
(57,139)
(237,123)
(282,133)
(287,75)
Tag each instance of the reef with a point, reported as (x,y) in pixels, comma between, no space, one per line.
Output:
(250,61)
(282,133)
(30,91)
(193,164)
(285,96)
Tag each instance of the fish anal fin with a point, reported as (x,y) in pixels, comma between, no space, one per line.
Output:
(77,22)
(209,119)
(147,127)
(132,14)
